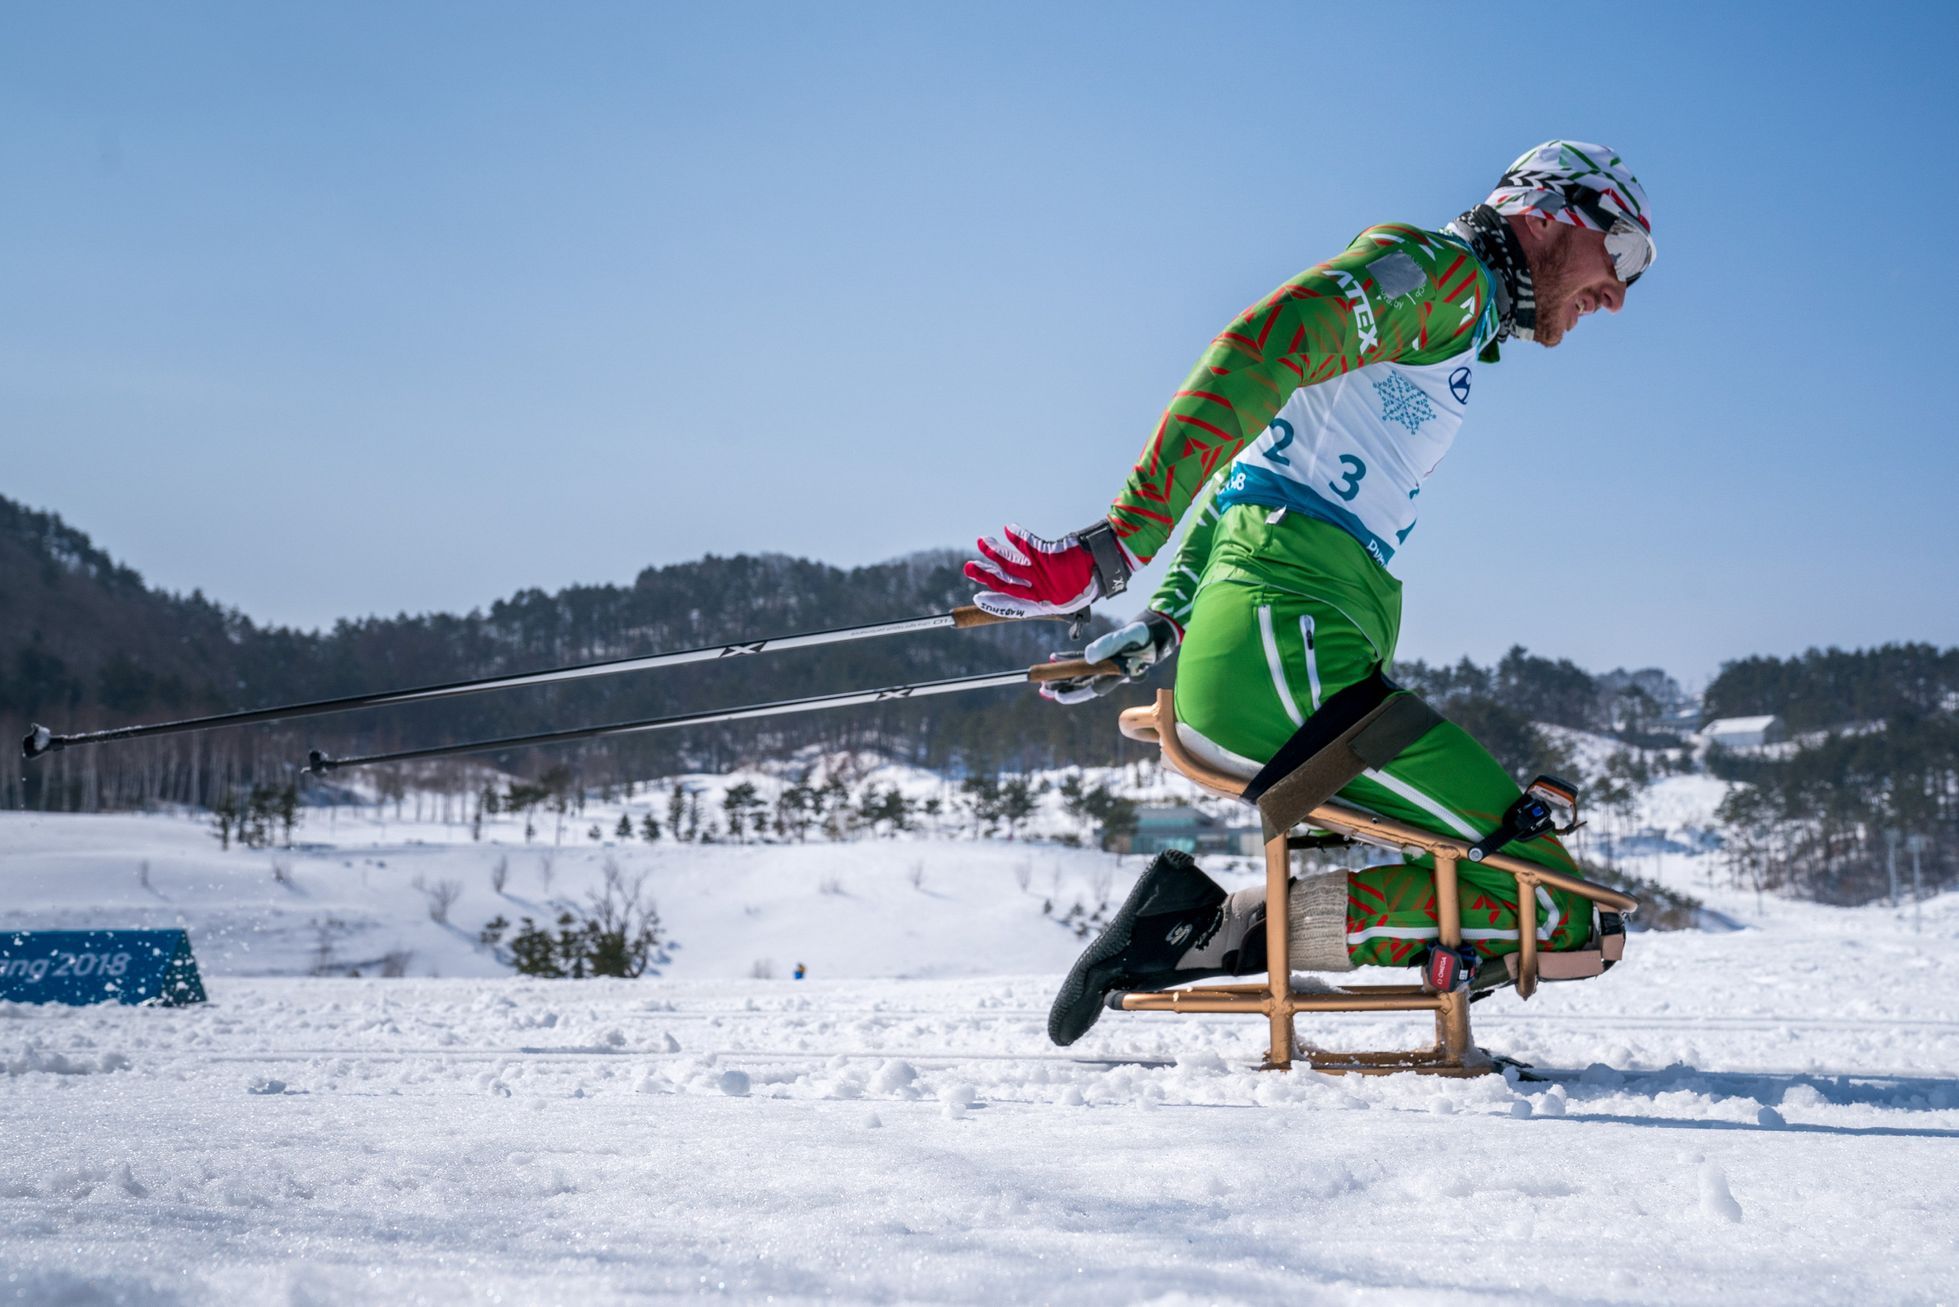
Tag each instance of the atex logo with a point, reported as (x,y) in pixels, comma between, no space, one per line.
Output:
(1459,385)
(1363,313)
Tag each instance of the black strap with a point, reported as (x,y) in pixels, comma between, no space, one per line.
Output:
(1320,840)
(1111,568)
(1366,725)
(1342,711)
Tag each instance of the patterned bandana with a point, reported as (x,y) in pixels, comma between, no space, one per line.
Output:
(1496,245)
(1587,186)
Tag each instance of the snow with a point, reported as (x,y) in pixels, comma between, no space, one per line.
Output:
(1757,1115)
(844,909)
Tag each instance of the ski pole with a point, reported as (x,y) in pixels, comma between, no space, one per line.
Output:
(41,740)
(320,764)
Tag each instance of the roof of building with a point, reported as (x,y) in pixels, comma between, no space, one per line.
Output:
(1740,725)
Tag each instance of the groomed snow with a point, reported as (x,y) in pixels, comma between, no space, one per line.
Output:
(1758,1115)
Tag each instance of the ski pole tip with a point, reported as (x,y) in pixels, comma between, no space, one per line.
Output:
(38,740)
(318,763)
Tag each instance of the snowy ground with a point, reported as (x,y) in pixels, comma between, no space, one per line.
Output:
(1766,1114)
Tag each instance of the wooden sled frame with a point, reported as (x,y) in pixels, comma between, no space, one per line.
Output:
(1453,1054)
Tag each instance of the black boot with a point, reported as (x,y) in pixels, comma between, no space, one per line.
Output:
(1167,932)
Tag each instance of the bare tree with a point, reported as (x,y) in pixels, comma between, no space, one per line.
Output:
(325,963)
(441,896)
(1101,883)
(500,873)
(622,926)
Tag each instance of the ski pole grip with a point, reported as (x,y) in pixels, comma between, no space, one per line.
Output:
(967,616)
(1070,669)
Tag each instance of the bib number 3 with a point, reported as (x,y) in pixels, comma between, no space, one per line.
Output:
(1351,472)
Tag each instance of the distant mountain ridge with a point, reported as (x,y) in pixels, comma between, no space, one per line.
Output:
(86,644)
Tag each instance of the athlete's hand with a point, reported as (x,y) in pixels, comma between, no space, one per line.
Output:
(1028,576)
(1136,648)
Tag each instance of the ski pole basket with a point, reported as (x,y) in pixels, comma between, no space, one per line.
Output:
(1453,1053)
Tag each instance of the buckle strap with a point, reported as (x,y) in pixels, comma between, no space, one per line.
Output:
(1364,726)
(1400,722)
(1111,568)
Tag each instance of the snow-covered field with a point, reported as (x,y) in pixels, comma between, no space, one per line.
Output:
(1767,1114)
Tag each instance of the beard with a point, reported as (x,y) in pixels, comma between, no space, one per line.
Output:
(1556,286)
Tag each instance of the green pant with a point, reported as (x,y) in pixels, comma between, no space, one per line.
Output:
(1283,619)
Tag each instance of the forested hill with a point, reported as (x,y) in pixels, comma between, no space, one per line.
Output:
(86,644)
(1872,772)
(82,633)
(1830,688)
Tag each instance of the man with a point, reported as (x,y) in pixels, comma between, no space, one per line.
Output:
(1305,435)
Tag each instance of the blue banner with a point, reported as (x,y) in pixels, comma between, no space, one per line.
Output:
(98,966)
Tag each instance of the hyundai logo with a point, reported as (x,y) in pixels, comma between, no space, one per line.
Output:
(1459,385)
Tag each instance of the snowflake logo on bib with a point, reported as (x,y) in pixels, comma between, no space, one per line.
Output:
(1403,401)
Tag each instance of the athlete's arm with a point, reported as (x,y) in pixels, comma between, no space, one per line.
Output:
(1178,592)
(1397,293)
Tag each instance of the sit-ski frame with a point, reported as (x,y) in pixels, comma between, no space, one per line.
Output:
(1453,1053)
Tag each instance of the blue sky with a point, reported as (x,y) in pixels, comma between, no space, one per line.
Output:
(345,309)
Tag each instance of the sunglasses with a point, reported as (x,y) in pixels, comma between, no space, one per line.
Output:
(1630,247)
(1626,241)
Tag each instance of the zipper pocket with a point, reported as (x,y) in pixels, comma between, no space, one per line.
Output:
(1312,660)
(1276,665)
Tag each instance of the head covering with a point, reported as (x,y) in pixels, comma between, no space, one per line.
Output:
(1585,186)
(1513,290)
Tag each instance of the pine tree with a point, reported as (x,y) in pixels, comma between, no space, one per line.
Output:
(676,809)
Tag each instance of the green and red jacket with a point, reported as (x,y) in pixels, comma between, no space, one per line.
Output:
(1335,396)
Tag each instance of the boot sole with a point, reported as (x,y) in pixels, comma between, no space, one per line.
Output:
(1079,1003)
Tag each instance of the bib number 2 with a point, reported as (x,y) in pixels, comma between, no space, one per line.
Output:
(1284,428)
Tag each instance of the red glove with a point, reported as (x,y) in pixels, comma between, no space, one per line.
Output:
(1030,576)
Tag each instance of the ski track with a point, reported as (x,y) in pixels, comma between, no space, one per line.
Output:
(313,1140)
(1760,1115)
